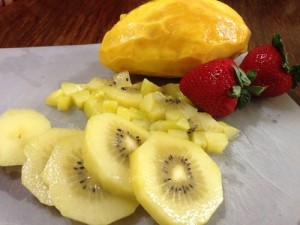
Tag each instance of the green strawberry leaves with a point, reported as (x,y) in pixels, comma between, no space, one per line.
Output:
(241,77)
(277,43)
(256,90)
(243,90)
(295,71)
(244,99)
(251,74)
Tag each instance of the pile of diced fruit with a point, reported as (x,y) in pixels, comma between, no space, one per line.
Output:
(143,144)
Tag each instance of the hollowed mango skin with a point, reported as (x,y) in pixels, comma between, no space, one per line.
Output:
(167,38)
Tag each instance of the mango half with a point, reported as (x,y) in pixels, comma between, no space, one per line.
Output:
(167,38)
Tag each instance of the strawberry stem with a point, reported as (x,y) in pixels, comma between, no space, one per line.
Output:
(243,90)
(241,76)
(235,92)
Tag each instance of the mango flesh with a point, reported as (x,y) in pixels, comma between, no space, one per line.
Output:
(169,37)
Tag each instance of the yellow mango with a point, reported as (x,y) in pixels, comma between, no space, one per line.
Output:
(52,98)
(170,37)
(64,103)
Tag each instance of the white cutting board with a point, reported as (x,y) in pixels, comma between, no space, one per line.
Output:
(260,168)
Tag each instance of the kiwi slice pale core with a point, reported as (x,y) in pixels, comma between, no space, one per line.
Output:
(175,180)
(75,193)
(109,140)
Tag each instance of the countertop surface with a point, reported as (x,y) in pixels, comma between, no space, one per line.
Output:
(260,168)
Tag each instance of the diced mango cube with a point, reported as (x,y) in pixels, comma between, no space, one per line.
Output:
(80,97)
(150,105)
(109,106)
(123,112)
(163,125)
(92,107)
(183,124)
(144,123)
(52,98)
(216,142)
(199,138)
(71,88)
(137,114)
(97,83)
(64,103)
(148,87)
(230,131)
(178,133)
(98,93)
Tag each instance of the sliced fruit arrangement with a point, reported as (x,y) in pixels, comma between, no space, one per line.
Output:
(17,127)
(75,192)
(124,118)
(148,105)
(175,180)
(143,144)
(93,176)
(37,152)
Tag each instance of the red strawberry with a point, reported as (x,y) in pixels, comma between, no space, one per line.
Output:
(218,87)
(272,69)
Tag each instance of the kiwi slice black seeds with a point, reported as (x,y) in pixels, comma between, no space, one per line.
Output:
(193,126)
(173,185)
(129,89)
(125,142)
(79,166)
(85,180)
(172,100)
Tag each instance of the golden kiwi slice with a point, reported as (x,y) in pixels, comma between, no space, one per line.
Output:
(109,140)
(175,180)
(17,127)
(37,152)
(75,193)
